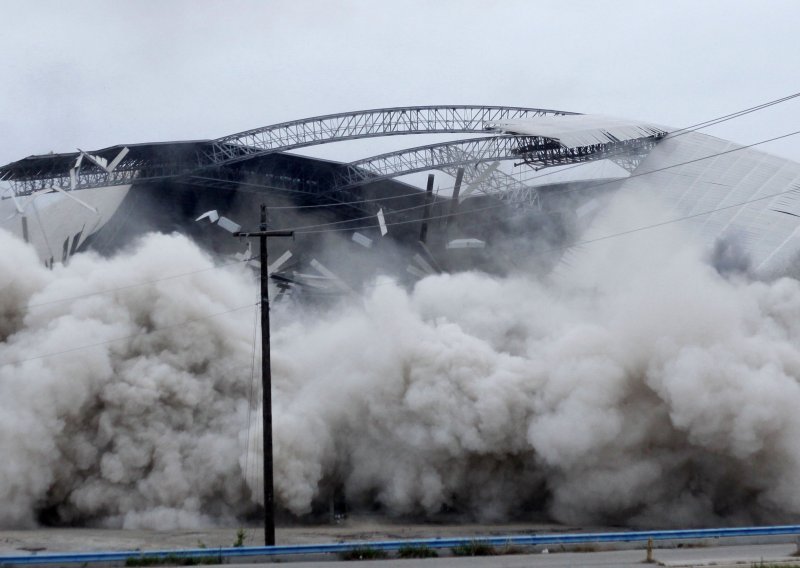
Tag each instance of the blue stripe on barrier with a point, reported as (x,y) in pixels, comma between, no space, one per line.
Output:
(389,545)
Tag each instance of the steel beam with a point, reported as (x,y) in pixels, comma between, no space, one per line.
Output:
(366,124)
(209,157)
(536,151)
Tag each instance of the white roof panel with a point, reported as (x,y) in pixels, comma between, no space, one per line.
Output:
(747,195)
(577,130)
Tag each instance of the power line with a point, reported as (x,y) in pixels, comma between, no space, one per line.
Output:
(434,217)
(731,116)
(671,221)
(319,229)
(686,130)
(418,193)
(304,229)
(572,245)
(580,243)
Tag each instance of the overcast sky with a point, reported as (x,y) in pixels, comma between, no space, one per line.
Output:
(97,73)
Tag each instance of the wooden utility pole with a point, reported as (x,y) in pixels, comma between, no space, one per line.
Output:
(266,373)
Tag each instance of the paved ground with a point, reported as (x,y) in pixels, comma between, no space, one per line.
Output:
(354,529)
(744,554)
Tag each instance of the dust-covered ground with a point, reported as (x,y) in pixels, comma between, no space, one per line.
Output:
(361,528)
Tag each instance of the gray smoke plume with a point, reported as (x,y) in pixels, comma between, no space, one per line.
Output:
(142,428)
(638,385)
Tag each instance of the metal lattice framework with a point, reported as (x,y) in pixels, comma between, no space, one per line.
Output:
(210,158)
(284,136)
(437,156)
(536,151)
(74,171)
(485,177)
(469,119)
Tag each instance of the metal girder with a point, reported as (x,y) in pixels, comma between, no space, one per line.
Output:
(206,157)
(537,151)
(486,178)
(285,136)
(438,156)
(84,173)
(366,124)
(621,151)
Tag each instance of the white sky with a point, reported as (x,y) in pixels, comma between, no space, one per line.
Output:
(97,73)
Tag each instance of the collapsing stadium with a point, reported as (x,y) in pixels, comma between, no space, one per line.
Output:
(424,404)
(166,186)
(124,191)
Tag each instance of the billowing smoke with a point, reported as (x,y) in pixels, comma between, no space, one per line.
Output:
(143,427)
(638,385)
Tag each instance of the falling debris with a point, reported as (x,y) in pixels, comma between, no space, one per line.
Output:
(382,223)
(430,256)
(424,264)
(228,225)
(282,259)
(303,279)
(415,271)
(364,241)
(221,221)
(319,267)
(212,216)
(246,255)
(466,243)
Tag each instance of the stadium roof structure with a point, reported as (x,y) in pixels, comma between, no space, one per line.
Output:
(725,191)
(188,159)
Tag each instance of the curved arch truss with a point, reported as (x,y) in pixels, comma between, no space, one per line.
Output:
(206,155)
(367,124)
(536,151)
(191,160)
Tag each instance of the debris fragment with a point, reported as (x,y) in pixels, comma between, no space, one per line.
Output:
(466,243)
(364,241)
(424,264)
(319,267)
(382,223)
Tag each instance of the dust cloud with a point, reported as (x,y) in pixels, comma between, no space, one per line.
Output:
(639,384)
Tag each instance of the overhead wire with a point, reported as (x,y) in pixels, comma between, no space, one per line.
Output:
(669,221)
(316,228)
(418,193)
(319,228)
(555,249)
(683,131)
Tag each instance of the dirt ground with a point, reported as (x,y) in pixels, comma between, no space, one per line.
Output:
(351,529)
